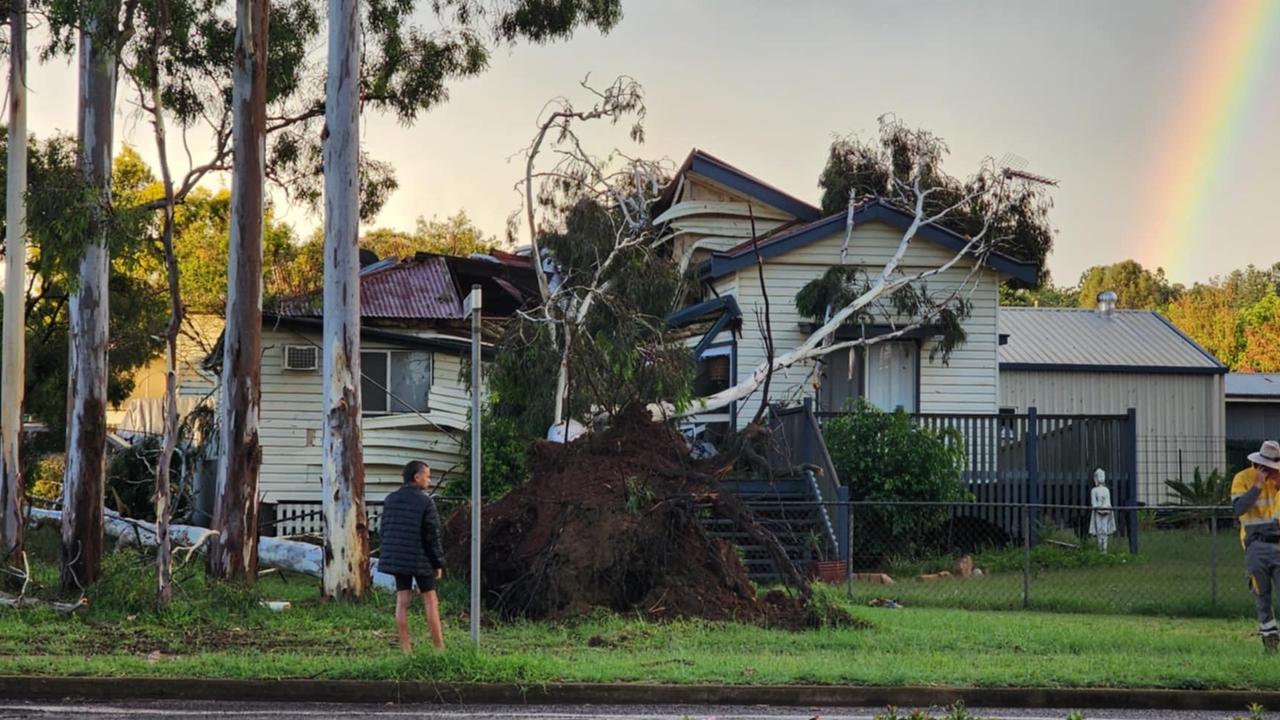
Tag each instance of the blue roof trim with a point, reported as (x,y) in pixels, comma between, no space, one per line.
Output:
(732,177)
(1132,369)
(722,303)
(721,264)
(1189,341)
(711,335)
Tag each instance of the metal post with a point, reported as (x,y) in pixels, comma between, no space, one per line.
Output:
(1033,469)
(1132,500)
(848,544)
(1213,559)
(1026,556)
(473,306)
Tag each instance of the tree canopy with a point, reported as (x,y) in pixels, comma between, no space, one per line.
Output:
(858,169)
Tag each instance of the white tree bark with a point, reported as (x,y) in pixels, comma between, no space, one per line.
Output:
(85,477)
(279,553)
(12,366)
(346,532)
(234,551)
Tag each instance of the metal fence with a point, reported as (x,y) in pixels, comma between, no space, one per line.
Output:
(1188,560)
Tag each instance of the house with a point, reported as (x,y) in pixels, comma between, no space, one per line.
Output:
(142,413)
(414,345)
(1253,413)
(714,210)
(1106,361)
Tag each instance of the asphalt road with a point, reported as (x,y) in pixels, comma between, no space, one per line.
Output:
(260,711)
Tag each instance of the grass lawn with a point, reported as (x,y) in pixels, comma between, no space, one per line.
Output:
(1170,576)
(215,631)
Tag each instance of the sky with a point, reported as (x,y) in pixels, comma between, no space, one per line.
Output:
(1160,119)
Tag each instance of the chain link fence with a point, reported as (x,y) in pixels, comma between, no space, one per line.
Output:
(1169,561)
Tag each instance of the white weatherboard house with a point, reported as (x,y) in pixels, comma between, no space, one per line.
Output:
(709,206)
(413,349)
(1099,362)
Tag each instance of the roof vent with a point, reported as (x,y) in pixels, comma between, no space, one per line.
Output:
(1106,303)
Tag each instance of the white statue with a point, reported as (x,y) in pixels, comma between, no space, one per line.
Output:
(1102,521)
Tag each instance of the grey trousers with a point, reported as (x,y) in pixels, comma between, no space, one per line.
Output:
(1262,561)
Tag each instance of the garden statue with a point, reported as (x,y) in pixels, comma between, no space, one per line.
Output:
(1102,522)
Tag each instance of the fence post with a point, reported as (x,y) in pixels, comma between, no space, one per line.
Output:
(842,524)
(1033,470)
(1026,556)
(1132,500)
(1213,559)
(848,540)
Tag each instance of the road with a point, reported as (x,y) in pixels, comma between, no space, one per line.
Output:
(279,711)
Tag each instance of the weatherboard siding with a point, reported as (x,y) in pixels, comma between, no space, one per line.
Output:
(291,426)
(967,384)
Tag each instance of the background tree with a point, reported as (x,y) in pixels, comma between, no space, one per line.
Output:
(1136,288)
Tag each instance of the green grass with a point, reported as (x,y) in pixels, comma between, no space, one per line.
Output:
(214,631)
(1171,576)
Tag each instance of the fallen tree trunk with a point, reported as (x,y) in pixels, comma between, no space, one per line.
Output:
(278,553)
(19,602)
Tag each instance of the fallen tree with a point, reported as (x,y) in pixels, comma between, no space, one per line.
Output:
(278,553)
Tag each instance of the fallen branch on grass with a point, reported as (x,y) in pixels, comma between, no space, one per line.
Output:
(19,602)
(278,553)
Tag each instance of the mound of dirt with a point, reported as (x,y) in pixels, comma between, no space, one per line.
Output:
(612,520)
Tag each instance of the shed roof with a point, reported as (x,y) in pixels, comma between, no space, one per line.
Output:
(1253,385)
(1086,341)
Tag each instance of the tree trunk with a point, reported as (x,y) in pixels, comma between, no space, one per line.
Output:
(346,532)
(163,499)
(234,554)
(83,483)
(12,367)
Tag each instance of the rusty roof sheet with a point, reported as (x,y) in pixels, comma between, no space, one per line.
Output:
(417,289)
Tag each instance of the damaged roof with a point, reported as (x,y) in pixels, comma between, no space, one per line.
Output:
(429,287)
(717,170)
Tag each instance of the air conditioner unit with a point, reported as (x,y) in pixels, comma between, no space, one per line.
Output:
(301,357)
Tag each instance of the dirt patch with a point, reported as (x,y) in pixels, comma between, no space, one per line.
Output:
(611,521)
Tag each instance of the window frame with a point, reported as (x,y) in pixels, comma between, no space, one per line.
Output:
(388,400)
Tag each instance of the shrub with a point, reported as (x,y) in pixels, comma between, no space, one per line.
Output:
(45,482)
(1212,491)
(885,457)
(503,459)
(131,474)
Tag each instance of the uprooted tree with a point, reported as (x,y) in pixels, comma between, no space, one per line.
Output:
(605,290)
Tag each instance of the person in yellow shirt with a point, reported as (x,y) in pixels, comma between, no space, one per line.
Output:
(1255,499)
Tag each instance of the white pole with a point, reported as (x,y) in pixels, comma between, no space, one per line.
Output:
(14,289)
(474,303)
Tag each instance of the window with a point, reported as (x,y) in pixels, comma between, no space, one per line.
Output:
(891,375)
(886,374)
(394,381)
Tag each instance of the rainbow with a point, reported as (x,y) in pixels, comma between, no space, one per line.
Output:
(1224,77)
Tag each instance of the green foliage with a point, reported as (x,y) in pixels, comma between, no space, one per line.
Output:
(58,224)
(858,170)
(1047,556)
(1135,287)
(885,457)
(639,496)
(127,587)
(45,482)
(1212,490)
(620,356)
(504,452)
(131,478)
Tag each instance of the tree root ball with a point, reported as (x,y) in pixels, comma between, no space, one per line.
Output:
(611,520)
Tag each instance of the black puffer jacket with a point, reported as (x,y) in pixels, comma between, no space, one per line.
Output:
(410,532)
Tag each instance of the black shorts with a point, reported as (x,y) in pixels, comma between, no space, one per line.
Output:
(426,583)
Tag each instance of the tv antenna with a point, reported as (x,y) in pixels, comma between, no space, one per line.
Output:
(1014,167)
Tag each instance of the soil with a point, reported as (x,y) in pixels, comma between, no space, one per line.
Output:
(611,521)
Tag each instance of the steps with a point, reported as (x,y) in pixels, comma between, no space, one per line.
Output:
(790,509)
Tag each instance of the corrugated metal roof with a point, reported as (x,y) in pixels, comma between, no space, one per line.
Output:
(1253,385)
(1136,339)
(417,289)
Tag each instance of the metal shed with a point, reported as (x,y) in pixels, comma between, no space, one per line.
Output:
(1106,361)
